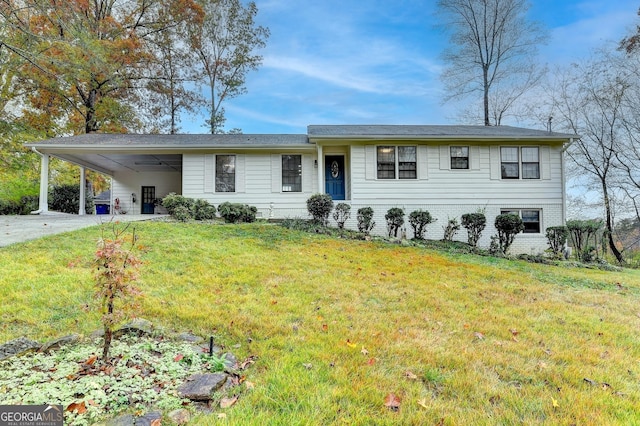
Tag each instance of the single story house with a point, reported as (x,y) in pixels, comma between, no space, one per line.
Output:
(447,170)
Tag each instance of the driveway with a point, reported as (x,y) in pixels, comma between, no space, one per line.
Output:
(16,229)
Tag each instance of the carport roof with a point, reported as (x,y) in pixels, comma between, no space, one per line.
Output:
(150,141)
(111,153)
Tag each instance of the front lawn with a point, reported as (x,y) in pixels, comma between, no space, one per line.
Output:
(356,332)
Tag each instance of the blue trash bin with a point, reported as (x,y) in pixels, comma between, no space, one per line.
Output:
(102,208)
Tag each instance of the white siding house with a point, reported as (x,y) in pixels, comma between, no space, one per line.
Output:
(447,170)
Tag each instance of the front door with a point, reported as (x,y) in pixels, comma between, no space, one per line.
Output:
(334,176)
(148,199)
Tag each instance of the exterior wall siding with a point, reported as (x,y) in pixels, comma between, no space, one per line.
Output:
(259,183)
(125,184)
(443,192)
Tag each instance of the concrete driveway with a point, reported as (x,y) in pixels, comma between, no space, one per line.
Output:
(15,229)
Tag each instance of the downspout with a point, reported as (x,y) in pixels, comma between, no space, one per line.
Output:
(564,183)
(320,165)
(43,201)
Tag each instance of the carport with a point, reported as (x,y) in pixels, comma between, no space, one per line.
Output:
(110,154)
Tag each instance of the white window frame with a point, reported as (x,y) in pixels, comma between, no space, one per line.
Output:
(395,150)
(286,186)
(235,171)
(451,156)
(519,211)
(520,163)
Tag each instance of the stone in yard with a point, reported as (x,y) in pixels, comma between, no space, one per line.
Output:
(137,327)
(123,420)
(189,338)
(148,418)
(180,416)
(18,346)
(200,387)
(230,361)
(58,343)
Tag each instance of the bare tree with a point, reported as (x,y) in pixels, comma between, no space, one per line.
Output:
(173,81)
(225,45)
(492,49)
(589,99)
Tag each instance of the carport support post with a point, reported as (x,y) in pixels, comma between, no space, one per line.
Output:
(83,191)
(43,206)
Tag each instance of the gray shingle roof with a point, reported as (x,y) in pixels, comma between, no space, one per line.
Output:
(426,131)
(183,140)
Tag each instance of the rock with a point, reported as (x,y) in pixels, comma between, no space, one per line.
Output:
(180,416)
(200,387)
(189,338)
(137,327)
(123,420)
(18,346)
(230,361)
(148,418)
(58,343)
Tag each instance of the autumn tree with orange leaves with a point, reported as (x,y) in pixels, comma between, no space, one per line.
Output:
(84,64)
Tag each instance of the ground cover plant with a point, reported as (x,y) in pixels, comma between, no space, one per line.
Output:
(361,332)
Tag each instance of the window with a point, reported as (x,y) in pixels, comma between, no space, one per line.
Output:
(407,162)
(530,219)
(509,162)
(225,173)
(291,173)
(386,162)
(405,167)
(459,157)
(511,157)
(530,163)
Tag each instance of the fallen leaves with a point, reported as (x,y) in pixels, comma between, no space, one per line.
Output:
(228,402)
(409,375)
(392,402)
(77,407)
(251,359)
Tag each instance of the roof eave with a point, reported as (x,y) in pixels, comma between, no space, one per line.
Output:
(430,138)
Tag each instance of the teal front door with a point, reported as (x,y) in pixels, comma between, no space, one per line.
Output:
(334,177)
(148,199)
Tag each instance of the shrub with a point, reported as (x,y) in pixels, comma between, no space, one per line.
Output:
(419,219)
(117,268)
(319,207)
(202,210)
(26,205)
(451,229)
(66,199)
(581,231)
(557,238)
(475,224)
(365,220)
(508,226)
(182,214)
(172,201)
(342,214)
(236,212)
(185,209)
(395,219)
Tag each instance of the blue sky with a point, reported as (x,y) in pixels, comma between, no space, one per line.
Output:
(379,61)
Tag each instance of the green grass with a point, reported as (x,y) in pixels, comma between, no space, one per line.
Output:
(337,325)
